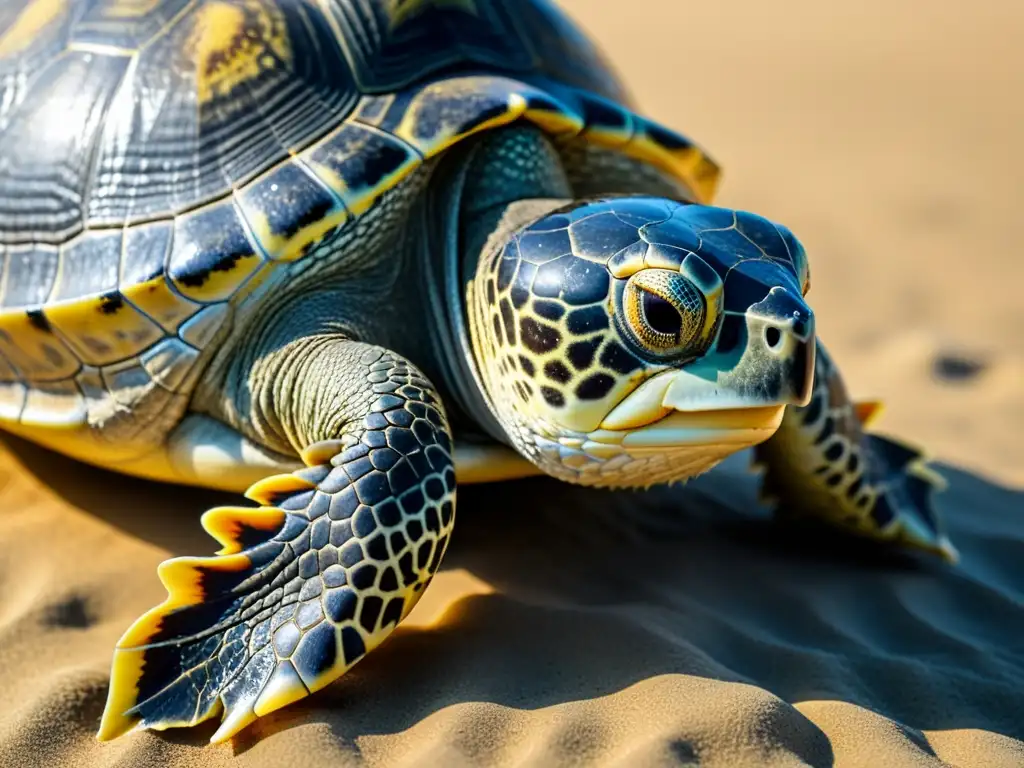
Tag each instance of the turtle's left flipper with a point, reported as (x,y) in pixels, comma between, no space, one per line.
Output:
(823,464)
(310,582)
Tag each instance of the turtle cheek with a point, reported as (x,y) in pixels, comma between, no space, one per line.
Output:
(555,369)
(571,371)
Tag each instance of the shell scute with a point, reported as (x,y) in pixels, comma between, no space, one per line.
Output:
(360,163)
(200,330)
(290,211)
(169,362)
(54,404)
(212,254)
(88,265)
(29,344)
(103,329)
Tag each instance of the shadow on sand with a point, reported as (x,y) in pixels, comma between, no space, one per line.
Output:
(595,592)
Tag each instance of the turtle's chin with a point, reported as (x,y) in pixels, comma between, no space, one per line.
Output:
(674,426)
(677,446)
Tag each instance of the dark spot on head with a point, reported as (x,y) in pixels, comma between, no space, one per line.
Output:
(490,292)
(616,357)
(812,410)
(956,368)
(497,329)
(527,365)
(72,613)
(538,338)
(581,353)
(595,387)
(520,292)
(556,371)
(834,451)
(111,303)
(550,310)
(582,321)
(827,430)
(729,336)
(552,397)
(542,246)
(882,512)
(585,282)
(38,319)
(506,271)
(508,320)
(577,281)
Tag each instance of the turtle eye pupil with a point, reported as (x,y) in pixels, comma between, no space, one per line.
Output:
(661,315)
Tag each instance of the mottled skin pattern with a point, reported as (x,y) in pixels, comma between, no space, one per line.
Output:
(294,243)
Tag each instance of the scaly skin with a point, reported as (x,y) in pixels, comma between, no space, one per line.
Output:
(318,576)
(823,464)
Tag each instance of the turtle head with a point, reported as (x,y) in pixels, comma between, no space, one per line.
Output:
(629,341)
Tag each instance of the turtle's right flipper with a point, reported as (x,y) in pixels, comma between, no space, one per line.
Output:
(305,585)
(823,464)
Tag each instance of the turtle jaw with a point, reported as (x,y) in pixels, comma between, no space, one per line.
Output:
(674,447)
(682,421)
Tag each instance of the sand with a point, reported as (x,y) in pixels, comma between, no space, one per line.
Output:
(576,628)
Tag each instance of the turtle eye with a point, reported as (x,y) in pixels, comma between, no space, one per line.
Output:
(661,316)
(665,314)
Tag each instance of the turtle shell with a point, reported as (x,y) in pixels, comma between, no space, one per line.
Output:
(159,158)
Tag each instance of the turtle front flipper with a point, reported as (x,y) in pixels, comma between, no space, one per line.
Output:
(822,464)
(315,578)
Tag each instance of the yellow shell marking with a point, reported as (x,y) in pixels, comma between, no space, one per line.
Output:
(231,44)
(32,20)
(687,162)
(103,330)
(161,302)
(33,349)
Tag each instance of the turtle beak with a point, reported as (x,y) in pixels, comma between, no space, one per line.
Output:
(762,361)
(763,358)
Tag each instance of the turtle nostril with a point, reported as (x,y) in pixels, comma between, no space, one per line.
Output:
(661,315)
(772,336)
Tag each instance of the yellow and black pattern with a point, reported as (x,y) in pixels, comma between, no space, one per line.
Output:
(192,146)
(599,300)
(305,585)
(823,464)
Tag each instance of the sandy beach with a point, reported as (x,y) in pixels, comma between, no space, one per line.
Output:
(675,627)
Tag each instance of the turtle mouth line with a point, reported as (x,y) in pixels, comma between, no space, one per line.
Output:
(726,426)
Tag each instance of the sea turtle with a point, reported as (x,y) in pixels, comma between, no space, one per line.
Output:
(297,245)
